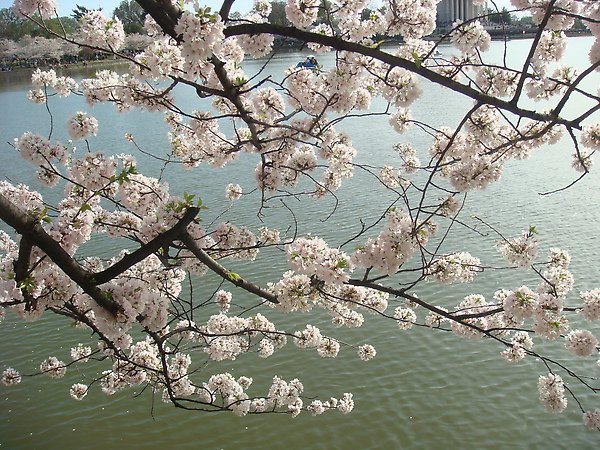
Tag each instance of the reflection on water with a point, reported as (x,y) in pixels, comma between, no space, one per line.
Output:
(424,390)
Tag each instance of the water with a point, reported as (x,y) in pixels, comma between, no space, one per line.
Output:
(425,389)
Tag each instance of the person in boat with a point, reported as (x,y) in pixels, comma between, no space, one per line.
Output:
(309,63)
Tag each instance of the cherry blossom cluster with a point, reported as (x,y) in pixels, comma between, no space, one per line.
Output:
(288,128)
(591,305)
(235,242)
(477,315)
(233,191)
(53,367)
(406,317)
(81,353)
(591,419)
(302,13)
(199,141)
(520,343)
(581,343)
(557,20)
(544,304)
(521,250)
(82,126)
(394,245)
(46,8)
(201,32)
(10,377)
(455,268)
(98,31)
(78,391)
(282,395)
(261,45)
(45,79)
(159,60)
(314,257)
(552,393)
(470,37)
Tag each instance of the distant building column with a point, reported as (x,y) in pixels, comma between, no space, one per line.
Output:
(481,10)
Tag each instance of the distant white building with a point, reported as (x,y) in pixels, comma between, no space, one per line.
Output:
(449,11)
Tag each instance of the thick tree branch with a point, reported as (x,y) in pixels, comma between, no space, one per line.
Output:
(147,249)
(401,293)
(395,61)
(21,265)
(30,228)
(225,9)
(213,265)
(164,13)
(232,94)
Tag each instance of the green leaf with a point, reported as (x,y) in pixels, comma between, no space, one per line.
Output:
(200,205)
(417,59)
(41,215)
(377,44)
(28,285)
(188,198)
(233,276)
(239,81)
(341,264)
(85,207)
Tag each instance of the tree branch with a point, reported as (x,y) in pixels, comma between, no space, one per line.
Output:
(147,249)
(30,228)
(213,265)
(165,14)
(395,61)
(21,265)
(225,9)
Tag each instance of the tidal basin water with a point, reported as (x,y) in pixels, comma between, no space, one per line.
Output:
(425,389)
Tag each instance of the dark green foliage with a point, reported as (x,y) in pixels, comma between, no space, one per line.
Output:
(132,15)
(277,16)
(14,28)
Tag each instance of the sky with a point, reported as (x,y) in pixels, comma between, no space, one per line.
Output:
(66,6)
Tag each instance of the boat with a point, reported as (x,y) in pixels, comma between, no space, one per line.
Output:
(309,63)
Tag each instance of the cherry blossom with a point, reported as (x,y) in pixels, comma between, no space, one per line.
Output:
(46,8)
(581,342)
(552,393)
(291,133)
(10,377)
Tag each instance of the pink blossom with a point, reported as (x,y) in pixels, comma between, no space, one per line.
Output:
(581,342)
(46,8)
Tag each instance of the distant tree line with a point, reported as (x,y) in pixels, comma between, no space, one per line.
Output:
(504,17)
